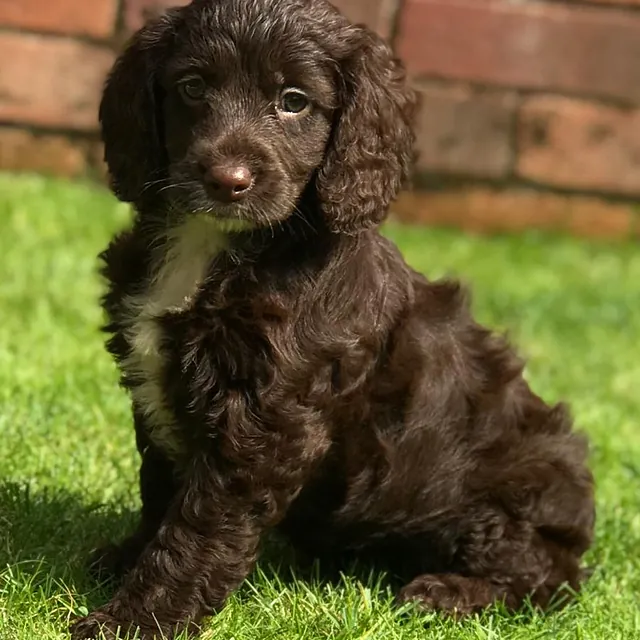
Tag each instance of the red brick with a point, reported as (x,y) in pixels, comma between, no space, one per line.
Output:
(487,210)
(51,81)
(98,165)
(619,3)
(137,12)
(572,48)
(460,130)
(580,145)
(22,150)
(377,14)
(94,18)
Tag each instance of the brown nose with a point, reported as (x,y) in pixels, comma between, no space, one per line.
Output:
(228,183)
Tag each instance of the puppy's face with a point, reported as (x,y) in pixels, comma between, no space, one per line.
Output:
(237,107)
(246,118)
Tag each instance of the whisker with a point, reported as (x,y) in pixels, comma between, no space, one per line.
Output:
(298,214)
(152,183)
(176,185)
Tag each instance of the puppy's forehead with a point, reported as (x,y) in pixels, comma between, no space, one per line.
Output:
(265,36)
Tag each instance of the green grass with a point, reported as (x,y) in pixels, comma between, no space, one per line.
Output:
(67,460)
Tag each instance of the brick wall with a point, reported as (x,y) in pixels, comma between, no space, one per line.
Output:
(530,110)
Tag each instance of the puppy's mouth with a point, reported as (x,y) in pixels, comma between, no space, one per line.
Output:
(230,224)
(228,217)
(262,202)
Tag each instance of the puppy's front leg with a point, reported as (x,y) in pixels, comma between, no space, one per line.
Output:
(204,548)
(158,489)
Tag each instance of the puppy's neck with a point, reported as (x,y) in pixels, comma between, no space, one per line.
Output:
(181,259)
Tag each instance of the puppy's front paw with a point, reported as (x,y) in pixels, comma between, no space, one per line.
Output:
(96,626)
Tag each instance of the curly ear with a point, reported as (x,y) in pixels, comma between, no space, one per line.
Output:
(371,151)
(129,115)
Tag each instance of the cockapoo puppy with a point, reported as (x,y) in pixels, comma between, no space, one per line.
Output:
(287,369)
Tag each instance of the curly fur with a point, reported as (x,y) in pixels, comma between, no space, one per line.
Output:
(287,369)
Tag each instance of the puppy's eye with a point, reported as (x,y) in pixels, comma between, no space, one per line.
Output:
(192,89)
(294,102)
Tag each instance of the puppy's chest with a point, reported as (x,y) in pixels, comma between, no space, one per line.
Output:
(171,288)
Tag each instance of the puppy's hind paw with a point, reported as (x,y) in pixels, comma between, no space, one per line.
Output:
(110,563)
(97,626)
(452,594)
(113,561)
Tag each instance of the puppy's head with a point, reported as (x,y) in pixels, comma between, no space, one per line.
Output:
(237,108)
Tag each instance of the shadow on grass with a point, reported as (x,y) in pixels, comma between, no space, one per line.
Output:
(47,535)
(51,532)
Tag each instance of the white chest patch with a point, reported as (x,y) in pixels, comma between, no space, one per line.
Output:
(180,270)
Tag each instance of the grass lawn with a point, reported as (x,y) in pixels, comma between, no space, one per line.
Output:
(67,458)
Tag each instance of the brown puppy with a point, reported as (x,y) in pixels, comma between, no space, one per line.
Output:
(287,368)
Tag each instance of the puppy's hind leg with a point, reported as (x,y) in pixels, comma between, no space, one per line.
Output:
(505,562)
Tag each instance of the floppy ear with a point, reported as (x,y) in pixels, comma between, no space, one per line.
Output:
(371,151)
(129,115)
